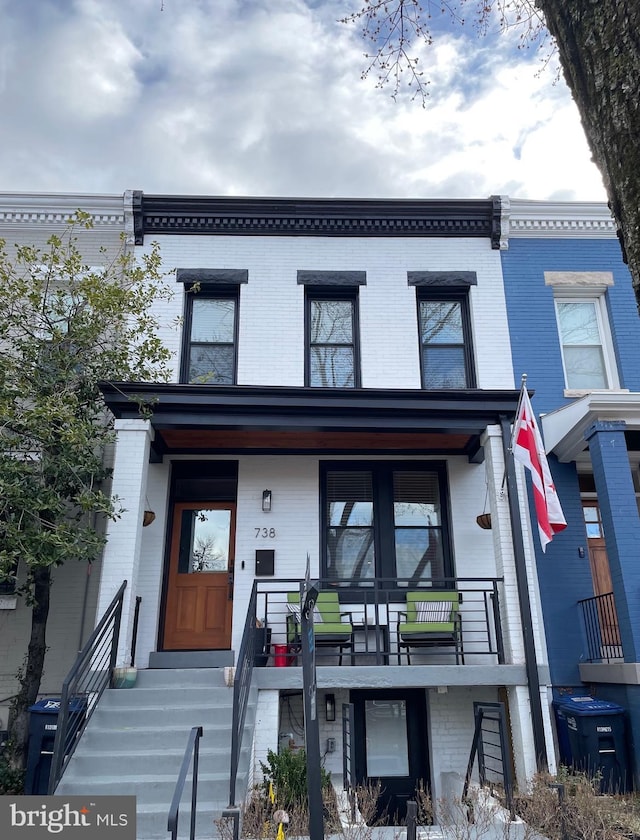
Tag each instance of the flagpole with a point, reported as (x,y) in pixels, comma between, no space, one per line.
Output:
(524,600)
(523,385)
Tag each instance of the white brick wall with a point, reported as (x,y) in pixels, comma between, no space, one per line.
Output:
(271,336)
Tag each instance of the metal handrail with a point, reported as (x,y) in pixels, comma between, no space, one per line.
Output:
(241,689)
(193,748)
(494,761)
(90,674)
(602,630)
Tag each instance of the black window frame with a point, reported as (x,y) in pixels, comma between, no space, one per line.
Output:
(333,293)
(383,519)
(205,292)
(460,296)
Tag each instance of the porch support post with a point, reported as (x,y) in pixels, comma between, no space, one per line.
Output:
(121,559)
(621,524)
(529,716)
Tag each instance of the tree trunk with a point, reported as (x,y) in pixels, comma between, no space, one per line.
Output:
(599,47)
(32,670)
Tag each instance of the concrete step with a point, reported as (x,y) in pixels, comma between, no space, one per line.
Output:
(170,678)
(145,761)
(160,697)
(175,659)
(156,788)
(135,742)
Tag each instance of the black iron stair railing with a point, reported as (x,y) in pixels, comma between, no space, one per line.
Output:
(83,686)
(192,749)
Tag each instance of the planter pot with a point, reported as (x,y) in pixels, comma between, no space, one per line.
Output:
(484,521)
(147,518)
(124,677)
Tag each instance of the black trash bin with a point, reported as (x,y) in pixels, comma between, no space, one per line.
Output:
(43,724)
(592,736)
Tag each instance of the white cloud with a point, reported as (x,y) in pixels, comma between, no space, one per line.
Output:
(257,98)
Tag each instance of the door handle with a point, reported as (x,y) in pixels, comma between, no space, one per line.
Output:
(230,584)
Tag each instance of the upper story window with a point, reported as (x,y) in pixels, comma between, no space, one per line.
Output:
(210,338)
(587,355)
(331,328)
(446,354)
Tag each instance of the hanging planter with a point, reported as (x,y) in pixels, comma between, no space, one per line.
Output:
(484,521)
(147,518)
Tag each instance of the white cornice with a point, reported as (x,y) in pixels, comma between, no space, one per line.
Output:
(558,219)
(37,210)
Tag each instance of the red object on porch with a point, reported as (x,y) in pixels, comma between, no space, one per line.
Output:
(280,657)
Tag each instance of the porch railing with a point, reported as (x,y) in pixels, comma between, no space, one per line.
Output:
(375,610)
(601,628)
(83,686)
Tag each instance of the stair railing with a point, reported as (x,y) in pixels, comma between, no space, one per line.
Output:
(241,689)
(491,746)
(192,749)
(83,686)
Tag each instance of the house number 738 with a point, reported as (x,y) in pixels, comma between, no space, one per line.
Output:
(265,533)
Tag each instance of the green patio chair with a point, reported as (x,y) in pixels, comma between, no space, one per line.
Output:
(330,627)
(432,619)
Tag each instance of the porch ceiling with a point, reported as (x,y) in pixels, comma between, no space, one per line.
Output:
(198,418)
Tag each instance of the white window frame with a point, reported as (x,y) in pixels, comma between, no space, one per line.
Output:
(581,295)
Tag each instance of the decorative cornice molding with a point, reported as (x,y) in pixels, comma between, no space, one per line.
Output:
(557,219)
(210,215)
(51,210)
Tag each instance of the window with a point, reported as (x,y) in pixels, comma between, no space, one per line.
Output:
(445,341)
(210,338)
(332,359)
(385,520)
(587,353)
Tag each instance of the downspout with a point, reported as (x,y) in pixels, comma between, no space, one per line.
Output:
(524,602)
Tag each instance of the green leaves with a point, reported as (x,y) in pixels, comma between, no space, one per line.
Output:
(67,326)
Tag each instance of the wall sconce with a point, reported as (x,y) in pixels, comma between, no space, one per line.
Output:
(330,707)
(266,500)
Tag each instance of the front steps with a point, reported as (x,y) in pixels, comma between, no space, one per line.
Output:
(135,742)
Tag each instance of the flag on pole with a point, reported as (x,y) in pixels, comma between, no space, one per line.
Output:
(528,449)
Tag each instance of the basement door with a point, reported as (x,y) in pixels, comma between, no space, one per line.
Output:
(390,745)
(199,603)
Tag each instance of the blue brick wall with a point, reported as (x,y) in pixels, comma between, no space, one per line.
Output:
(564,576)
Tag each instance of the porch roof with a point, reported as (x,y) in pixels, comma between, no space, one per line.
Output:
(225,418)
(564,429)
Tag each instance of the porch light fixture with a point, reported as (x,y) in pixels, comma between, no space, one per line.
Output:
(266,500)
(330,707)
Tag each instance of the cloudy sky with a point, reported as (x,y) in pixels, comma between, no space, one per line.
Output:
(264,97)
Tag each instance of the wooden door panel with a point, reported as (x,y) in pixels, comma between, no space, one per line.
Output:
(199,606)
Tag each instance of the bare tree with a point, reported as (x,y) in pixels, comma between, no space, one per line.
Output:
(599,51)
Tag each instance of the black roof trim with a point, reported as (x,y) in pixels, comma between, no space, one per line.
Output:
(211,215)
(318,409)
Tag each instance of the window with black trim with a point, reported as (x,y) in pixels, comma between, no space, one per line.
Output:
(446,356)
(210,337)
(385,520)
(332,357)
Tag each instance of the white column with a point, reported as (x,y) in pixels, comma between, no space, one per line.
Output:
(519,700)
(121,558)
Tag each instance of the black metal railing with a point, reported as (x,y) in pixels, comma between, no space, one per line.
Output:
(601,628)
(252,645)
(84,684)
(348,777)
(491,747)
(192,750)
(374,610)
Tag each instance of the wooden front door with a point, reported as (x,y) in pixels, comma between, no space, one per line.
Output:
(600,573)
(199,601)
